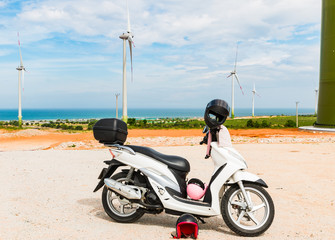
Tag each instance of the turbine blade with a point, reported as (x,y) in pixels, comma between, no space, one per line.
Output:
(236,57)
(18,40)
(229,75)
(238,81)
(128,26)
(254,90)
(130,39)
(131,58)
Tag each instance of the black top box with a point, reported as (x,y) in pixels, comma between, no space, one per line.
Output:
(110,130)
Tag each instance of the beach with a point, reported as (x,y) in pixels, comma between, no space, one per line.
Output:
(48,177)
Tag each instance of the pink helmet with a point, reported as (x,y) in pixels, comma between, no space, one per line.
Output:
(196,189)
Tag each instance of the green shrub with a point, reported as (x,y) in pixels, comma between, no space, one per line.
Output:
(131,121)
(265,124)
(14,123)
(290,123)
(78,128)
(256,124)
(250,123)
(91,124)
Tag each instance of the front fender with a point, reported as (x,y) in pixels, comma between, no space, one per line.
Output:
(246,177)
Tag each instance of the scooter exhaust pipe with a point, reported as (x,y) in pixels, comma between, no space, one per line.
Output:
(129,192)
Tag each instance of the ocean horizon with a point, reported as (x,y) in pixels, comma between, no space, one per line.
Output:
(152,113)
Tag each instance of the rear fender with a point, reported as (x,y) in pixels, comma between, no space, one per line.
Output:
(107,172)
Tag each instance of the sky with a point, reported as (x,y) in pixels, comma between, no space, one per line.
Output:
(184,51)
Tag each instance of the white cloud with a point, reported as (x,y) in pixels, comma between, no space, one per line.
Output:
(180,45)
(176,23)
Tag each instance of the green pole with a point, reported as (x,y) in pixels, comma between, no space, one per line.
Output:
(296,114)
(326,103)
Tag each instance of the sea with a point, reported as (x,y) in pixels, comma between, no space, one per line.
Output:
(138,113)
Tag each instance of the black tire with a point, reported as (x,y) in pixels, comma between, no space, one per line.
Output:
(243,229)
(112,211)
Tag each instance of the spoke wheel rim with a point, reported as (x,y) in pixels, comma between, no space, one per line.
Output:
(248,219)
(120,205)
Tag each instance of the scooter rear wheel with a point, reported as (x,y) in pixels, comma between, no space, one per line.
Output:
(239,218)
(118,207)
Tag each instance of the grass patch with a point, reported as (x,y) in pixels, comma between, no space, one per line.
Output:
(275,122)
(271,122)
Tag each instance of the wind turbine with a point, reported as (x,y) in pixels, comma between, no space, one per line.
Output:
(233,75)
(316,100)
(128,36)
(117,104)
(21,69)
(253,99)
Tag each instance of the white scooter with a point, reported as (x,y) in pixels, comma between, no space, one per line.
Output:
(151,182)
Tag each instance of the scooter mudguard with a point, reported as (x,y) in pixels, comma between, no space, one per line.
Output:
(246,177)
(107,172)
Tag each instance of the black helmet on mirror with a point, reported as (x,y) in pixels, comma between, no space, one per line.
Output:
(216,113)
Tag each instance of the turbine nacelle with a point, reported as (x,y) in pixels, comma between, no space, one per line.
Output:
(255,92)
(231,73)
(127,36)
(20,68)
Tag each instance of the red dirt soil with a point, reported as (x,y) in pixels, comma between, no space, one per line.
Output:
(234,132)
(51,138)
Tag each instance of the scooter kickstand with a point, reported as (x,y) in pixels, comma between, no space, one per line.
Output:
(201,220)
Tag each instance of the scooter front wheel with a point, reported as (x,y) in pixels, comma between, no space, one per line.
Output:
(243,220)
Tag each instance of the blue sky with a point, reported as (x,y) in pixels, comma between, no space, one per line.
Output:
(184,51)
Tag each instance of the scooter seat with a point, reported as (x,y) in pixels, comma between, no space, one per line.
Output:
(174,162)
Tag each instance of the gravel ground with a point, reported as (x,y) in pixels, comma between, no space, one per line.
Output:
(48,194)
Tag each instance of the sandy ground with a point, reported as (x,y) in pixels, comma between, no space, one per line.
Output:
(47,194)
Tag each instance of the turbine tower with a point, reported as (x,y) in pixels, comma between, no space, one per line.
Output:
(326,98)
(117,104)
(21,69)
(128,36)
(233,75)
(253,99)
(316,100)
